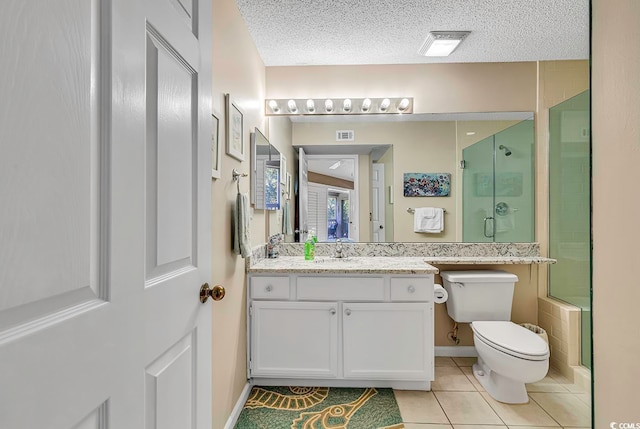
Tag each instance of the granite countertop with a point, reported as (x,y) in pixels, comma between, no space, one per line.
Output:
(349,265)
(487,260)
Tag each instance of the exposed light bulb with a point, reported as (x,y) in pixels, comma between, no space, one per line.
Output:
(366,104)
(311,106)
(328,105)
(385,105)
(346,105)
(291,105)
(404,105)
(273,105)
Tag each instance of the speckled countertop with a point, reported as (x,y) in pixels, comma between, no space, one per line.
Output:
(350,265)
(488,260)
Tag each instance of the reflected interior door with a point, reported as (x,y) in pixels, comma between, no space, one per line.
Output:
(105,219)
(303,202)
(377,203)
(478,192)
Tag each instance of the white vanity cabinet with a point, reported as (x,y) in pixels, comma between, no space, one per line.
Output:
(341,330)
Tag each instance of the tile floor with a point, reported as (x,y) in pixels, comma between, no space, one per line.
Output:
(458,401)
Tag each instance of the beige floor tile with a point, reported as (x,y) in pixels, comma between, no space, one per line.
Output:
(465,361)
(575,388)
(472,378)
(467,408)
(523,414)
(451,378)
(419,407)
(566,408)
(557,375)
(444,361)
(547,384)
(478,427)
(533,427)
(584,397)
(425,426)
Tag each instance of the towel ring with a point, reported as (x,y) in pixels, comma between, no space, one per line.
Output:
(236,177)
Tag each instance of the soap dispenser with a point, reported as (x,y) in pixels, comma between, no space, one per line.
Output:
(310,245)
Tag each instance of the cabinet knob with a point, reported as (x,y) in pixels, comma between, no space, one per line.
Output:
(269,288)
(332,311)
(347,312)
(411,289)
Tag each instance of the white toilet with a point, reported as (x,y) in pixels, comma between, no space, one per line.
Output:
(508,354)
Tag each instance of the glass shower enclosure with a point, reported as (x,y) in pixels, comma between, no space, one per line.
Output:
(570,211)
(498,187)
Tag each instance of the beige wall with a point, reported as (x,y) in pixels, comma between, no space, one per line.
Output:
(475,87)
(525,301)
(238,70)
(616,209)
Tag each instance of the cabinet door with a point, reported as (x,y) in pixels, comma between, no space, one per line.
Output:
(294,339)
(388,341)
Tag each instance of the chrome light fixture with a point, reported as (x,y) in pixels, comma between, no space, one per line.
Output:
(346,105)
(328,106)
(442,43)
(403,105)
(338,106)
(273,105)
(311,106)
(292,106)
(366,105)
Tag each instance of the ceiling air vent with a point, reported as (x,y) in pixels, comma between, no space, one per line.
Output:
(344,135)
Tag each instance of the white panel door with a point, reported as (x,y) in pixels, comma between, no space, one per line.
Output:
(303,201)
(377,203)
(105,215)
(387,341)
(294,339)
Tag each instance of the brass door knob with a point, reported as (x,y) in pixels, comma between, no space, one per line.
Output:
(216,293)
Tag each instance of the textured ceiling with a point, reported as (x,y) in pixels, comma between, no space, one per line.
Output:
(334,32)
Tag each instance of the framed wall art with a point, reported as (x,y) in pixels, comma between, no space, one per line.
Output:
(216,154)
(235,129)
(427,184)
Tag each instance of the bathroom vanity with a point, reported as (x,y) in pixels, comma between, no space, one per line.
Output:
(355,322)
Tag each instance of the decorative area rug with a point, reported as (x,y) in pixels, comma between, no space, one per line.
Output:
(320,408)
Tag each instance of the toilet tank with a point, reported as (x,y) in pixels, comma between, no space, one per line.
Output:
(479,295)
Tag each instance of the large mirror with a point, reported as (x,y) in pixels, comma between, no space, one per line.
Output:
(367,188)
(265,177)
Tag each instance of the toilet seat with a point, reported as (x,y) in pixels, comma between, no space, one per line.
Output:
(511,339)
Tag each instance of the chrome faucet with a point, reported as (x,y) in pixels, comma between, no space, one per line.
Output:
(339,249)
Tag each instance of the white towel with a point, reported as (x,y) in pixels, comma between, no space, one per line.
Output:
(428,219)
(286,218)
(241,238)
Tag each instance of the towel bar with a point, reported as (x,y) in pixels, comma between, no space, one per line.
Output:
(412,210)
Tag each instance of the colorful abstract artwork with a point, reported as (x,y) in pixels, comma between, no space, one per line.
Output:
(427,184)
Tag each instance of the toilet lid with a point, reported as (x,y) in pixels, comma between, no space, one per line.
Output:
(512,339)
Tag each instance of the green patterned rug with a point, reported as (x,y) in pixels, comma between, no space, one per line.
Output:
(320,408)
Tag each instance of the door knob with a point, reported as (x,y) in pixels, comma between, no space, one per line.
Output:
(216,293)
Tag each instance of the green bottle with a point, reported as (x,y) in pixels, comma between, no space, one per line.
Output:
(310,245)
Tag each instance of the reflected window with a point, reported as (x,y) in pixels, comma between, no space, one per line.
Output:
(337,216)
(272,187)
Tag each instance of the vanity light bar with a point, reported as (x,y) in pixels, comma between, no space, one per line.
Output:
(338,106)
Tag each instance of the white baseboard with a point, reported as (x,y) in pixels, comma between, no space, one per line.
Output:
(456,351)
(237,409)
